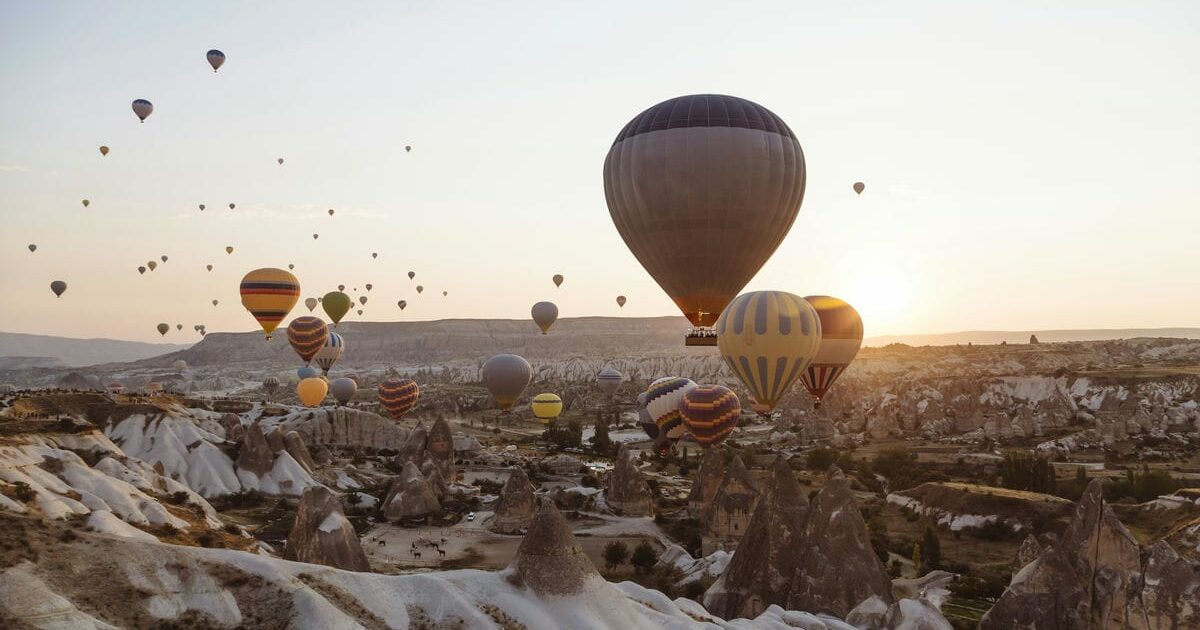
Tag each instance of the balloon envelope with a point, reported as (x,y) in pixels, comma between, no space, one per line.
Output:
(621,301)
(215,59)
(546,407)
(710,413)
(412,274)
(841,337)
(703,189)
(311,303)
(544,314)
(307,371)
(398,395)
(142,108)
(32,247)
(662,403)
(402,304)
(768,338)
(307,334)
(336,304)
(343,389)
(58,287)
(103,150)
(269,294)
(270,385)
(312,391)
(330,352)
(558,279)
(506,376)
(609,381)
(163,328)
(228,249)
(859,187)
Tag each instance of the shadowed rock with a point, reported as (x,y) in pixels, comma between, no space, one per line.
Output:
(1029,551)
(323,535)
(410,496)
(627,493)
(275,441)
(550,560)
(234,431)
(294,444)
(255,454)
(728,515)
(708,480)
(517,507)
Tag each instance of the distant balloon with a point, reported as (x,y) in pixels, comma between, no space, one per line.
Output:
(330,352)
(280,160)
(374,254)
(215,59)
(841,337)
(402,304)
(558,279)
(208,267)
(32,247)
(859,187)
(142,270)
(307,334)
(768,339)
(445,293)
(152,265)
(270,385)
(398,396)
(368,285)
(343,389)
(201,207)
(710,413)
(609,381)
(311,391)
(178,326)
(341,287)
(103,150)
(331,212)
(86,203)
(228,249)
(316,236)
(336,305)
(232,206)
(215,302)
(420,289)
(291,266)
(179,365)
(307,371)
(143,109)
(362,299)
(412,274)
(163,328)
(662,403)
(311,303)
(58,287)
(164,259)
(544,314)
(621,301)
(407,148)
(269,294)
(546,407)
(506,376)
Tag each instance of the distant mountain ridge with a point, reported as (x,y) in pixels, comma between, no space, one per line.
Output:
(986,337)
(23,350)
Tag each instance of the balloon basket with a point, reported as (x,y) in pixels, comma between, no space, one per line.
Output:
(700,337)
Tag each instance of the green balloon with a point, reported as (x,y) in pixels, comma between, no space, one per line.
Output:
(336,305)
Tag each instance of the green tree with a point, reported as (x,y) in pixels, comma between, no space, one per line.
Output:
(820,459)
(601,444)
(643,557)
(615,554)
(932,549)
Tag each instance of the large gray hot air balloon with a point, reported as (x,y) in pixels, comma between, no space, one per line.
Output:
(143,109)
(544,314)
(702,189)
(58,287)
(343,389)
(506,376)
(609,381)
(215,59)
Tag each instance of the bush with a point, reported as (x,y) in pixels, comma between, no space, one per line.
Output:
(820,459)
(177,498)
(615,554)
(643,557)
(488,486)
(994,530)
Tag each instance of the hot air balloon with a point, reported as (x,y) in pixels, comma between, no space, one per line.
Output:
(228,249)
(307,371)
(343,390)
(859,187)
(208,267)
(368,286)
(336,305)
(180,365)
(311,303)
(710,413)
(232,206)
(215,59)
(544,314)
(316,236)
(374,254)
(307,334)
(330,352)
(359,311)
(143,109)
(86,203)
(362,299)
(291,266)
(407,148)
(152,265)
(420,289)
(163,328)
(215,302)
(412,274)
(841,337)
(331,212)
(703,188)
(609,381)
(620,301)
(269,294)
(164,259)
(506,376)
(142,270)
(178,326)
(32,247)
(546,407)
(402,304)
(662,403)
(280,160)
(354,377)
(58,287)
(270,385)
(398,395)
(768,338)
(445,293)
(103,150)
(312,391)
(341,287)
(557,279)
(201,207)
(644,419)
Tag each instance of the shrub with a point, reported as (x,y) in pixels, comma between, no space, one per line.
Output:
(615,554)
(643,557)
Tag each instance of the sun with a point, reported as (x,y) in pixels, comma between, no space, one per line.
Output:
(883,296)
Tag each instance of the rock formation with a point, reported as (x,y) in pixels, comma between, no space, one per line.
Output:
(410,496)
(760,573)
(708,480)
(550,560)
(1098,577)
(294,445)
(343,427)
(437,482)
(255,454)
(730,510)
(275,441)
(232,425)
(517,507)
(627,493)
(323,535)
(440,444)
(413,449)
(839,568)
(1029,551)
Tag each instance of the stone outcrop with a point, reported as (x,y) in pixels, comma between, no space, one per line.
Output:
(440,443)
(708,480)
(839,568)
(413,449)
(344,427)
(255,454)
(517,507)
(232,424)
(323,535)
(411,496)
(729,512)
(437,482)
(294,445)
(275,440)
(1029,551)
(627,493)
(760,572)
(550,560)
(1098,577)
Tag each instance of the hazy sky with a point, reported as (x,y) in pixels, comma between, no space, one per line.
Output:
(1027,165)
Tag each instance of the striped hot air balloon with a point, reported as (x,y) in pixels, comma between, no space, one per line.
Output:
(269,294)
(768,339)
(662,402)
(398,396)
(307,335)
(330,352)
(609,381)
(546,407)
(644,419)
(270,385)
(710,413)
(841,337)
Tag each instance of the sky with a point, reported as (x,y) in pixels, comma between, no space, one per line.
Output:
(1028,165)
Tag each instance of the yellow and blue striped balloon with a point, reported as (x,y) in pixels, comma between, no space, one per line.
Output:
(768,339)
